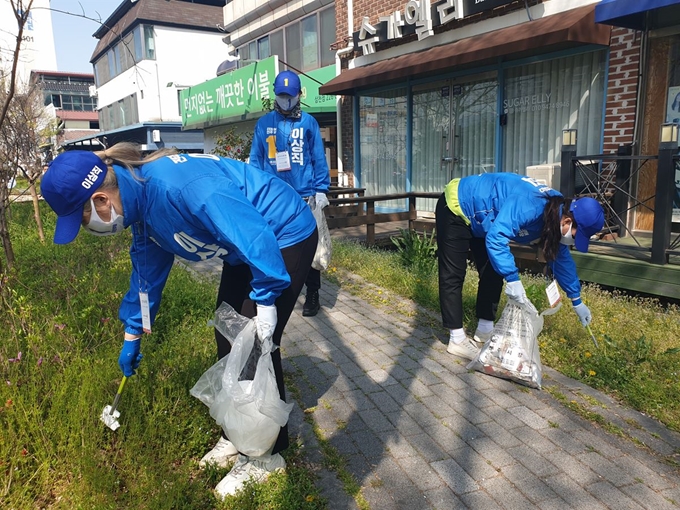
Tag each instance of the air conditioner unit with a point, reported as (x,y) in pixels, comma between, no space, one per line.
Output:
(548,174)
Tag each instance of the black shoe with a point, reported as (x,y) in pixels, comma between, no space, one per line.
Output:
(311,307)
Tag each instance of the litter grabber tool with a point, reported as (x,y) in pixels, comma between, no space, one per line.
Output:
(592,336)
(109,414)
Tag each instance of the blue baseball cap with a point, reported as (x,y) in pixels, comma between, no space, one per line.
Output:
(287,82)
(589,218)
(68,184)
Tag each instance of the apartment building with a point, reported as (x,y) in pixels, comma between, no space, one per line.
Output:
(67,96)
(37,41)
(147,52)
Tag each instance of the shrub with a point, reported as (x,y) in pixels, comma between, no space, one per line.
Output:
(234,145)
(416,252)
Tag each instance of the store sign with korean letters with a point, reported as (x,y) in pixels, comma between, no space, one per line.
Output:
(236,94)
(419,17)
(231,95)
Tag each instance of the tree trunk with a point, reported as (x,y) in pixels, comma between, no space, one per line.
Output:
(4,228)
(36,213)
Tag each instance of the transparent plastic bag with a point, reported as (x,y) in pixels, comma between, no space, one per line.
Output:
(322,257)
(512,350)
(244,402)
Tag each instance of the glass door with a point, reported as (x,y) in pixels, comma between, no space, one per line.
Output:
(454,132)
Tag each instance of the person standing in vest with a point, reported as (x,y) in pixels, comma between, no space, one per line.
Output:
(288,143)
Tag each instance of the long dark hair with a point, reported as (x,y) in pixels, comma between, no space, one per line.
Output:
(552,231)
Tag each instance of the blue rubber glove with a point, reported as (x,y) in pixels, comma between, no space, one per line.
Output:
(583,313)
(130,357)
(515,290)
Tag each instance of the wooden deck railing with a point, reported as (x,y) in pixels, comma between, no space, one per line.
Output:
(359,210)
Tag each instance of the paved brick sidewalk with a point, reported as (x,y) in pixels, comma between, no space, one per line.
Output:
(420,431)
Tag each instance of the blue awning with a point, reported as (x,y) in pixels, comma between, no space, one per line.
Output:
(628,13)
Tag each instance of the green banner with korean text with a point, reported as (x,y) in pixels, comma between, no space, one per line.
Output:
(238,95)
(312,101)
(233,95)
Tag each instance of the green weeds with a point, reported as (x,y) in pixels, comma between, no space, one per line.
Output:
(417,252)
(58,369)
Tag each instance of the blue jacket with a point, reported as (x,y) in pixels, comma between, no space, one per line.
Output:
(505,207)
(301,138)
(200,206)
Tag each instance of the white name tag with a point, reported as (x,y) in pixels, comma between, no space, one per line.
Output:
(553,294)
(282,161)
(146,314)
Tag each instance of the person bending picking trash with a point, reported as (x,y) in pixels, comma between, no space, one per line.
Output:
(287,143)
(483,213)
(195,206)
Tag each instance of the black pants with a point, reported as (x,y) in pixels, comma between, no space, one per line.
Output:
(454,241)
(235,288)
(313,282)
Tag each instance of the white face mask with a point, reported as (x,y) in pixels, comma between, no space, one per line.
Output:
(287,103)
(567,239)
(96,226)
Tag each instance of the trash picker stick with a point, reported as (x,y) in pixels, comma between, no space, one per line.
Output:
(592,336)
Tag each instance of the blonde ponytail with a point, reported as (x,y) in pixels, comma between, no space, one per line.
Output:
(128,155)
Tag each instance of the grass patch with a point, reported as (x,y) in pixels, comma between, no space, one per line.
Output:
(59,310)
(639,356)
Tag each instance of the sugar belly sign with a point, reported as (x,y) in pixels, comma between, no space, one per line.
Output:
(419,17)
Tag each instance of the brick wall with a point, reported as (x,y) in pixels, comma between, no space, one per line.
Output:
(622,88)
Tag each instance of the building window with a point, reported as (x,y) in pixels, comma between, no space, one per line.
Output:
(134,48)
(149,43)
(310,43)
(139,48)
(382,139)
(263,50)
(113,67)
(327,36)
(78,103)
(303,45)
(52,99)
(101,70)
(243,52)
(276,43)
(540,100)
(119,114)
(293,46)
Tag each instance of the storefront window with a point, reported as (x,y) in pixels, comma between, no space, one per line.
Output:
(673,98)
(542,99)
(382,138)
(673,113)
(454,131)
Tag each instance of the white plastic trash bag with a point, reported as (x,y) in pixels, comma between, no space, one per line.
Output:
(247,406)
(512,350)
(322,257)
